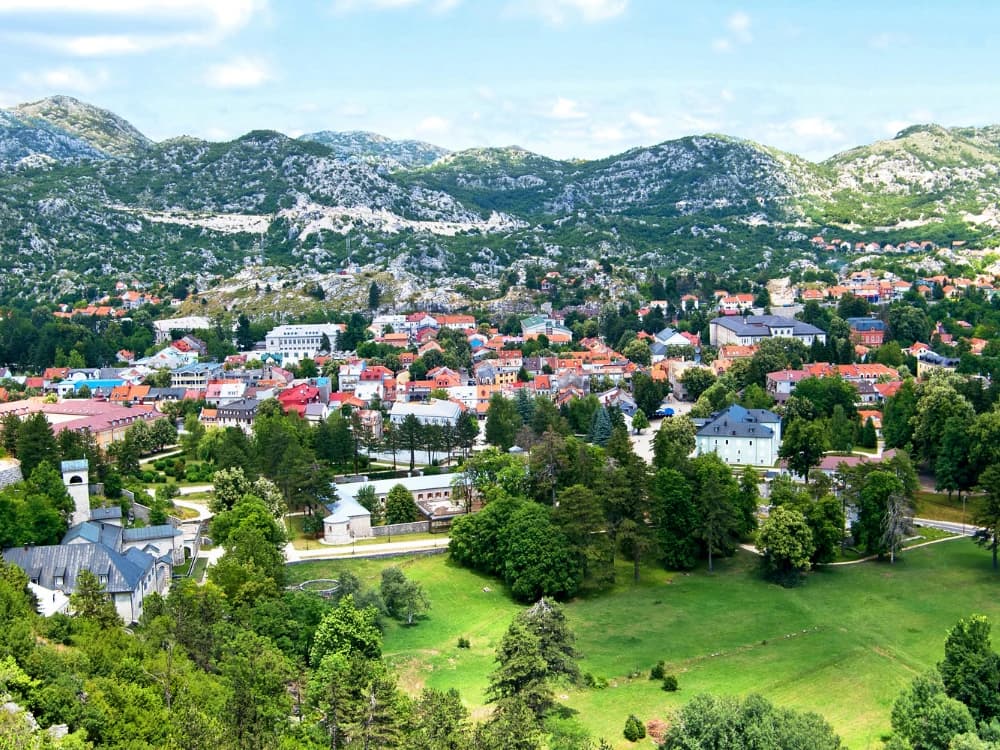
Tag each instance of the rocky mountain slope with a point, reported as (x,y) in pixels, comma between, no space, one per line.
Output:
(377,149)
(85,197)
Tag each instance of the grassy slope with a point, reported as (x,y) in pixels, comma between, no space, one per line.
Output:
(844,644)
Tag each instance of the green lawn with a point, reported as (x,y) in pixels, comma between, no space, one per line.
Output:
(937,506)
(843,644)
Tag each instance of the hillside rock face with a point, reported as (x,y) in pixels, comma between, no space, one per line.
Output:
(85,196)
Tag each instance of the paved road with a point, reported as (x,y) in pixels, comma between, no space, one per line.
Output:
(966,529)
(365,550)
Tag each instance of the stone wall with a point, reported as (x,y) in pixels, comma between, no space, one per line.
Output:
(402,529)
(10,472)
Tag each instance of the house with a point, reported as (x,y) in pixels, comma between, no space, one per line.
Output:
(867,331)
(434,411)
(734,304)
(752,329)
(742,437)
(670,337)
(163,329)
(298,397)
(347,520)
(620,399)
(239,413)
(221,392)
(107,422)
(538,325)
(780,384)
(195,375)
(298,342)
(440,497)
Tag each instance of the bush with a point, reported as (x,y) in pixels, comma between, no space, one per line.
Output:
(634,730)
(464,643)
(657,672)
(670,683)
(598,683)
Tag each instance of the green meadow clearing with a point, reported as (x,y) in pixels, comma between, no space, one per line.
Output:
(843,644)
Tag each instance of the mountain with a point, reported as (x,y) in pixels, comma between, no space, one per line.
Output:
(104,130)
(359,144)
(924,173)
(86,198)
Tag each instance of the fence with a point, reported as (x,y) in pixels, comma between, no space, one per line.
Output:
(402,529)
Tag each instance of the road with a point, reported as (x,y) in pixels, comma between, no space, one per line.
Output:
(964,529)
(349,551)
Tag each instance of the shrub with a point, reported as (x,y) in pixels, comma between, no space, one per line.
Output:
(464,643)
(670,683)
(598,683)
(657,672)
(634,730)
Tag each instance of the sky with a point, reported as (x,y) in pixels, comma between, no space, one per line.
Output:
(565,78)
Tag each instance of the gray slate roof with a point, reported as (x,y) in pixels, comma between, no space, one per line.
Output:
(147,533)
(107,534)
(344,510)
(44,564)
(739,422)
(111,513)
(761,325)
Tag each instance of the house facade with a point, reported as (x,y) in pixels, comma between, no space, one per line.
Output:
(298,342)
(740,437)
(752,329)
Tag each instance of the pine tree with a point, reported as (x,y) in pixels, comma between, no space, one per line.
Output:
(600,427)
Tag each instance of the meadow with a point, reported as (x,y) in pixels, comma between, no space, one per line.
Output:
(843,644)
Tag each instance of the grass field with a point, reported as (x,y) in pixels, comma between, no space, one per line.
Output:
(843,644)
(936,505)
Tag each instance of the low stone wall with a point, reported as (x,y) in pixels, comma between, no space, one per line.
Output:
(10,472)
(402,529)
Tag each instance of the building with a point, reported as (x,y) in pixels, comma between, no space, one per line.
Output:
(107,422)
(742,437)
(298,342)
(239,413)
(752,329)
(867,331)
(195,375)
(347,520)
(435,412)
(553,330)
(164,328)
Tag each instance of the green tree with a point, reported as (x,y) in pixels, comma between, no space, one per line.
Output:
(537,558)
(502,422)
(404,599)
(399,506)
(708,721)
(697,380)
(825,517)
(937,402)
(441,721)
(92,602)
(579,516)
(868,438)
(908,324)
(600,427)
(840,428)
(36,443)
(825,394)
(970,670)
(926,717)
(897,419)
(953,469)
(634,729)
(522,673)
(803,445)
(374,296)
(987,517)
(258,704)
(786,542)
(347,630)
(637,350)
(673,513)
(639,421)
(674,442)
(718,519)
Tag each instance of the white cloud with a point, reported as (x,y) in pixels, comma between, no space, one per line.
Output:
(238,73)
(566,109)
(737,33)
(607,134)
(433,125)
(197,22)
(894,126)
(645,123)
(436,6)
(66,79)
(353,109)
(726,95)
(739,25)
(815,127)
(560,11)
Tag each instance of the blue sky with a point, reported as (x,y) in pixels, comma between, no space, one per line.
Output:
(566,78)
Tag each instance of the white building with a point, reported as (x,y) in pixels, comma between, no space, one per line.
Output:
(752,329)
(741,437)
(298,342)
(427,412)
(348,520)
(188,324)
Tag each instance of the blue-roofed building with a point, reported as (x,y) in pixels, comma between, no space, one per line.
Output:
(128,577)
(867,331)
(195,375)
(741,437)
(749,330)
